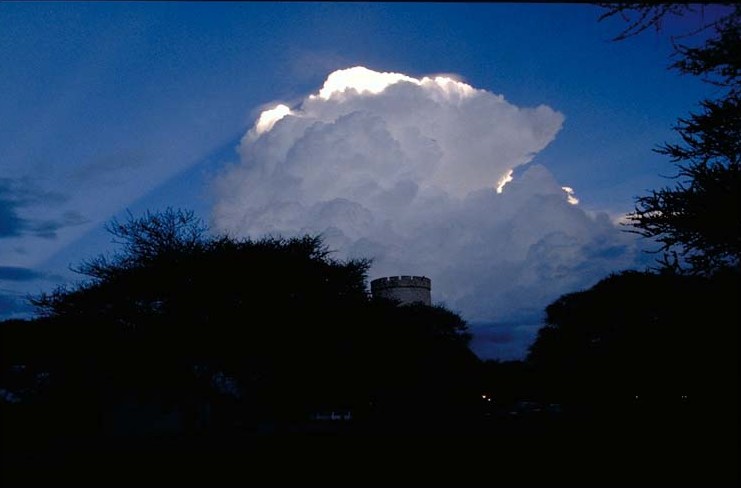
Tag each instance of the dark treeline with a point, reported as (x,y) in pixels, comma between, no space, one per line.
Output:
(641,372)
(275,325)
(646,338)
(185,355)
(182,336)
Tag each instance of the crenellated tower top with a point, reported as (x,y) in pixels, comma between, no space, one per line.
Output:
(404,289)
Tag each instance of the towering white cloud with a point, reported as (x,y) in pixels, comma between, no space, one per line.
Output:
(426,176)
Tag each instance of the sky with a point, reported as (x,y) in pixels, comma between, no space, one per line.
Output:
(492,147)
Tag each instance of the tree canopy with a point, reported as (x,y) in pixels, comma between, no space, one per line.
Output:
(273,328)
(644,334)
(696,221)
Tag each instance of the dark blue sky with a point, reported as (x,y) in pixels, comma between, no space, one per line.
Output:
(108,106)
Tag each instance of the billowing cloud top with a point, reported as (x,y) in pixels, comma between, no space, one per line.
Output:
(268,118)
(361,80)
(426,176)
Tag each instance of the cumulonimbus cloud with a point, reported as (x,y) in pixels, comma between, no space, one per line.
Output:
(427,176)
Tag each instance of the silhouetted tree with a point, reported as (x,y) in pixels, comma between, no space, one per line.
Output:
(696,221)
(417,364)
(265,330)
(174,298)
(657,336)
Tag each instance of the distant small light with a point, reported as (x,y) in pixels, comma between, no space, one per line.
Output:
(488,399)
(636,397)
(483,396)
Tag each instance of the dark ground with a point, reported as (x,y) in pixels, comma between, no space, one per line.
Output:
(616,450)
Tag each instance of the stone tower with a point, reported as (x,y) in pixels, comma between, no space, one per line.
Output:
(404,289)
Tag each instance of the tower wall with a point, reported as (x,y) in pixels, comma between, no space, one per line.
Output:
(404,289)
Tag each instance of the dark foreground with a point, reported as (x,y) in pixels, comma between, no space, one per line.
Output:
(556,450)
